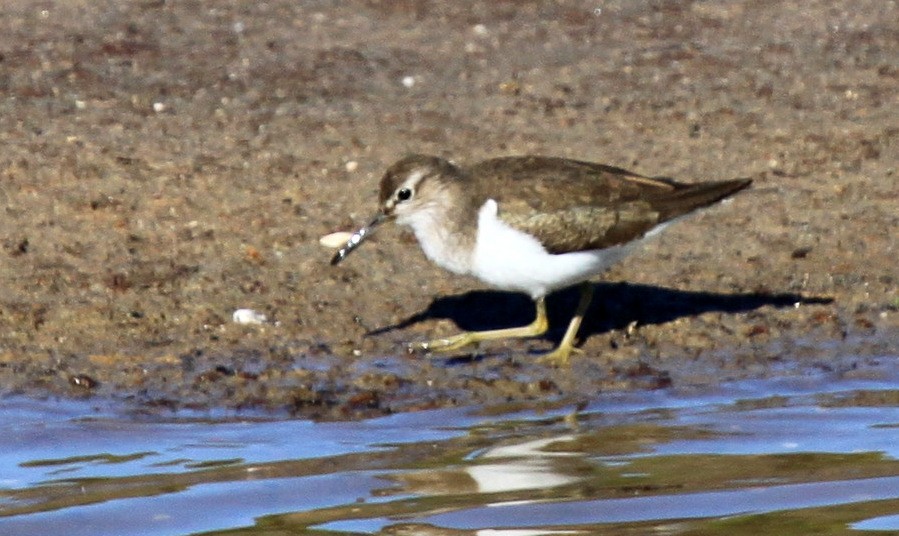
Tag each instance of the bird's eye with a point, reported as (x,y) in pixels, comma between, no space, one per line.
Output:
(403,194)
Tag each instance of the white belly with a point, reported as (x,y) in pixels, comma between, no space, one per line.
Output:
(509,259)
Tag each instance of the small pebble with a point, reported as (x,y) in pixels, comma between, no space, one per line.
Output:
(158,107)
(83,381)
(408,81)
(352,166)
(335,240)
(248,316)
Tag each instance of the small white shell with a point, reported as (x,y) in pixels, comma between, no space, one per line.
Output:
(335,240)
(248,316)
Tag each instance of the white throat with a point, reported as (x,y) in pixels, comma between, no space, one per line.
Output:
(441,243)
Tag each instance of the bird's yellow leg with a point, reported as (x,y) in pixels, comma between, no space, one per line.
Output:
(559,356)
(450,344)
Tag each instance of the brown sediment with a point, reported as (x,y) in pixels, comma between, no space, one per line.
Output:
(162,165)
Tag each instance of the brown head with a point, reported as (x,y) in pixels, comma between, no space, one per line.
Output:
(408,187)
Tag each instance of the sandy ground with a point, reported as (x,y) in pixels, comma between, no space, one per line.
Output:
(163,164)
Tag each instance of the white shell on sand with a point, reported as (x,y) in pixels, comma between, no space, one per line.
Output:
(248,316)
(335,240)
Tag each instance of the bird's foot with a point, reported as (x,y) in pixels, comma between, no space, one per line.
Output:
(560,356)
(446,344)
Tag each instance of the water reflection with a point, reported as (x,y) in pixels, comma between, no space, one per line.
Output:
(513,467)
(883,523)
(741,461)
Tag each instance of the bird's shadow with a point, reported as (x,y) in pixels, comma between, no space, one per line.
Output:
(614,306)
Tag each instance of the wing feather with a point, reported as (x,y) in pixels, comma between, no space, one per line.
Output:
(571,205)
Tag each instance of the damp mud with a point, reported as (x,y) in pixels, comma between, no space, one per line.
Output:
(163,165)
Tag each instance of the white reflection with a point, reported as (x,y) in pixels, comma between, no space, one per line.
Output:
(512,467)
(523,466)
(523,532)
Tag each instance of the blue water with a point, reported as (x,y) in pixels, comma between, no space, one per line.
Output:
(765,449)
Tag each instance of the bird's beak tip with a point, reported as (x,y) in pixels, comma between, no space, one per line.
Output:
(357,238)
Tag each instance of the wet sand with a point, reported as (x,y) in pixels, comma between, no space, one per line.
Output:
(164,164)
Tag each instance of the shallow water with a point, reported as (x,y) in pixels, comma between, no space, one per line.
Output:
(803,456)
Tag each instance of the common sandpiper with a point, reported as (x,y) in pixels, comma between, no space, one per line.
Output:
(530,224)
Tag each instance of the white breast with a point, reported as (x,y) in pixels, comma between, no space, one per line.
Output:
(509,259)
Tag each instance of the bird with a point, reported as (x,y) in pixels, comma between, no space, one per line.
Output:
(530,224)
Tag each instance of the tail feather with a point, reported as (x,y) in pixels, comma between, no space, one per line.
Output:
(691,197)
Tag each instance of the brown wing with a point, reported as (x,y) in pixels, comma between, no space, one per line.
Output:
(570,205)
(583,227)
(548,184)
